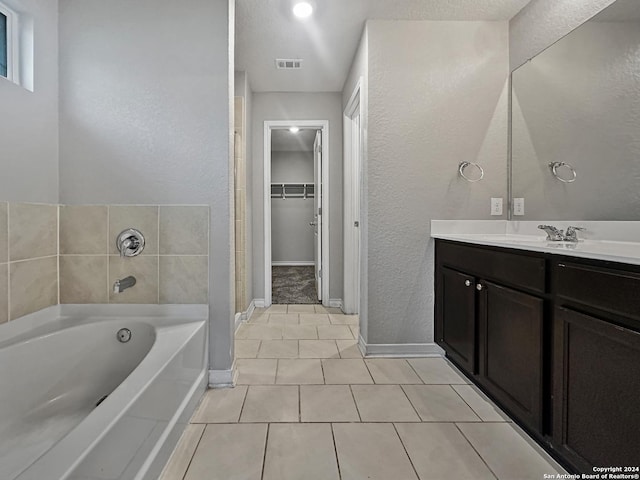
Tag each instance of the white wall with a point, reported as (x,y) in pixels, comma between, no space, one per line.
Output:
(145,115)
(430,106)
(579,102)
(543,22)
(292,238)
(29,120)
(298,106)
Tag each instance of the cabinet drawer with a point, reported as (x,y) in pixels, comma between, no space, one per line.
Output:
(506,267)
(614,291)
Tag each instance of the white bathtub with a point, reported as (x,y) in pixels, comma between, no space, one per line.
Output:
(56,367)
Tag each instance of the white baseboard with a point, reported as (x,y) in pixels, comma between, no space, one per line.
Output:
(247,315)
(258,302)
(336,303)
(399,350)
(293,264)
(238,320)
(223,378)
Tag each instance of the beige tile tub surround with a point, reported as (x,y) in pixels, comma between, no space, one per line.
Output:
(83,279)
(184,279)
(4,233)
(184,230)
(144,269)
(142,218)
(33,285)
(33,231)
(83,230)
(4,293)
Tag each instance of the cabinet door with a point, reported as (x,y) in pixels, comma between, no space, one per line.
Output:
(510,350)
(455,317)
(596,391)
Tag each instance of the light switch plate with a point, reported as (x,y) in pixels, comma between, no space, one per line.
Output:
(496,206)
(518,206)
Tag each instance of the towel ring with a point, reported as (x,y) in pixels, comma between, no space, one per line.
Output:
(463,166)
(557,165)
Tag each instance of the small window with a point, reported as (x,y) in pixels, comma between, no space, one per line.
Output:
(8,43)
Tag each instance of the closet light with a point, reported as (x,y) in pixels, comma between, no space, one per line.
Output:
(294,129)
(303,9)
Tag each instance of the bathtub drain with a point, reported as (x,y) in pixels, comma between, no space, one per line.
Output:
(124,335)
(101,400)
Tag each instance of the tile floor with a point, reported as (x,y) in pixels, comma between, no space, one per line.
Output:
(307,406)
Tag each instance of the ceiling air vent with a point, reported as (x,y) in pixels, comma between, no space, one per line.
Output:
(288,64)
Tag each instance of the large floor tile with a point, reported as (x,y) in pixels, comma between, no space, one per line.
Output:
(335,332)
(327,403)
(300,332)
(278,349)
(318,349)
(276,309)
(371,451)
(299,372)
(439,451)
(392,371)
(181,456)
(507,454)
(349,349)
(300,452)
(301,309)
(314,319)
(383,403)
(256,371)
(483,407)
(355,331)
(343,319)
(229,452)
(436,371)
(345,371)
(283,319)
(439,403)
(319,309)
(271,404)
(247,348)
(220,405)
(259,331)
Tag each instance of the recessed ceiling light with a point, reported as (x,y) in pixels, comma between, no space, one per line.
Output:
(303,9)
(294,129)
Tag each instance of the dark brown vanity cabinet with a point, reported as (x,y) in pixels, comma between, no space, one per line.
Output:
(596,386)
(554,340)
(489,327)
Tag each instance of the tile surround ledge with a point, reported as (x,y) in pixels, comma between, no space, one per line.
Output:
(602,240)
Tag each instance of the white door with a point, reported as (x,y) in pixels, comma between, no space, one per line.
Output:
(317,209)
(357,192)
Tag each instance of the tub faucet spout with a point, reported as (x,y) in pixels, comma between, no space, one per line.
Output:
(121,285)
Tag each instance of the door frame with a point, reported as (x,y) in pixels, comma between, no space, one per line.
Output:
(322,125)
(352,202)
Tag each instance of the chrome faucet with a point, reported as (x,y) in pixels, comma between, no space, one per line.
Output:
(553,234)
(572,234)
(121,285)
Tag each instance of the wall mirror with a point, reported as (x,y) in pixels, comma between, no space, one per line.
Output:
(576,123)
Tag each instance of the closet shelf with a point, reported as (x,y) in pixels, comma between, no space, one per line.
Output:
(292,190)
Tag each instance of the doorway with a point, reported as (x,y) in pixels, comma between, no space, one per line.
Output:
(296,212)
(353,154)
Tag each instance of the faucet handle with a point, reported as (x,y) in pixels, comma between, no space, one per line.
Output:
(553,234)
(572,233)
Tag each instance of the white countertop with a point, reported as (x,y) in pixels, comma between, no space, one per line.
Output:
(526,236)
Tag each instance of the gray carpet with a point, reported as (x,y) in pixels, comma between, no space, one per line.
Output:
(292,285)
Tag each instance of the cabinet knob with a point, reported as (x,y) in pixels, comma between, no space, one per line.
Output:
(467,283)
(479,287)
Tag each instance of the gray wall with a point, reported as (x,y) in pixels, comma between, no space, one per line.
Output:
(292,238)
(543,22)
(298,106)
(428,110)
(579,102)
(29,120)
(145,115)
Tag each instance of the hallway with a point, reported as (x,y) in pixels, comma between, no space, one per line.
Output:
(308,406)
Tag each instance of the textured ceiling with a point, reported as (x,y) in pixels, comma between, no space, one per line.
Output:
(620,11)
(285,141)
(327,42)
